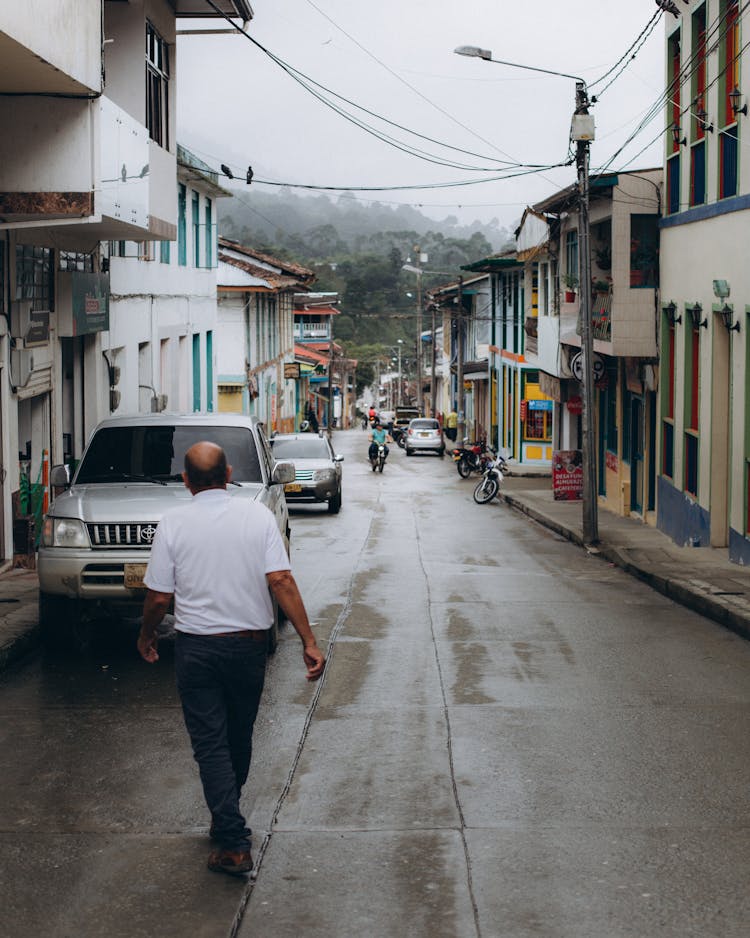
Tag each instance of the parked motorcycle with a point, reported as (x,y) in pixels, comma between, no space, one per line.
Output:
(470,457)
(377,460)
(399,436)
(492,475)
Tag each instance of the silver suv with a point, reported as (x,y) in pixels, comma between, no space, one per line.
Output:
(97,535)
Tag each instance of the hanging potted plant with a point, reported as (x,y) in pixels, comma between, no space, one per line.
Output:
(604,257)
(571,285)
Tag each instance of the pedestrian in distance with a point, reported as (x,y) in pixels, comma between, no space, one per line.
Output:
(217,556)
(451,425)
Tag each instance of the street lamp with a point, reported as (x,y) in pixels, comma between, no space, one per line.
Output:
(400,343)
(582,132)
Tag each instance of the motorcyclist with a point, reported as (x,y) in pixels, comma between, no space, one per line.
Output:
(377,436)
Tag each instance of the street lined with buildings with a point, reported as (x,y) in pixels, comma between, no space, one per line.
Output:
(512,737)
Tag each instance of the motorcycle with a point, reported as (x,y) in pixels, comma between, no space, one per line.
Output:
(377,461)
(492,475)
(469,457)
(399,436)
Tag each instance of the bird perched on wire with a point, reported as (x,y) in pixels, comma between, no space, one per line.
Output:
(227,171)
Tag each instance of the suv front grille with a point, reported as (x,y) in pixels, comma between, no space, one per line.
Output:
(118,535)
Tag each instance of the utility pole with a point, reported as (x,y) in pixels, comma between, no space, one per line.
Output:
(330,386)
(419,327)
(461,427)
(433,388)
(582,131)
(400,379)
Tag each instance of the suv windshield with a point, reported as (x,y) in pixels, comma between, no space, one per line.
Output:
(309,448)
(122,454)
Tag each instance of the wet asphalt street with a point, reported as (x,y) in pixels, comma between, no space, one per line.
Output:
(512,739)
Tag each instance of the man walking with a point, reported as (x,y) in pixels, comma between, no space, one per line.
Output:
(218,556)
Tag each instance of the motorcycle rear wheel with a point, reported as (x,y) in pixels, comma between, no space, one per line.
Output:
(463,467)
(486,490)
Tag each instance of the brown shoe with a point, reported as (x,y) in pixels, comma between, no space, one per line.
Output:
(234,862)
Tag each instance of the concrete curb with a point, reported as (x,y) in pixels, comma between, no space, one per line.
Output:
(674,589)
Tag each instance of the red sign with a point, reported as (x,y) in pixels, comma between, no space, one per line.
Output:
(574,405)
(611,461)
(524,410)
(567,475)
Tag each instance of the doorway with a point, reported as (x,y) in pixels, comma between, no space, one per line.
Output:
(719,482)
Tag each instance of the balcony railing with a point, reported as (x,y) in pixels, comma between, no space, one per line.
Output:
(601,314)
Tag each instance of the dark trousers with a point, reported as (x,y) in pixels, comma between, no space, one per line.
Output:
(220,680)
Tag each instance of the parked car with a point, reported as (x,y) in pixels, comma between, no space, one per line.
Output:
(402,418)
(97,534)
(317,476)
(424,435)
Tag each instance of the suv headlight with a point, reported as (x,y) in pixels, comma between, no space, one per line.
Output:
(64,532)
(323,475)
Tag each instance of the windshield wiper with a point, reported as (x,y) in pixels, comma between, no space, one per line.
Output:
(120,477)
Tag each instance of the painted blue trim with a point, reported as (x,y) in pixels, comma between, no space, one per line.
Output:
(739,548)
(231,379)
(736,203)
(681,517)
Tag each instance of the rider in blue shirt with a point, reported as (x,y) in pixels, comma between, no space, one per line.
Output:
(378,436)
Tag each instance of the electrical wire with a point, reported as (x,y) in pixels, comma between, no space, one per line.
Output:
(310,85)
(644,34)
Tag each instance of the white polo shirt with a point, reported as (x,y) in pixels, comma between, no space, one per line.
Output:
(214,553)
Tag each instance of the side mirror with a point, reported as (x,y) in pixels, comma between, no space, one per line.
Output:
(59,477)
(283,472)
(338,458)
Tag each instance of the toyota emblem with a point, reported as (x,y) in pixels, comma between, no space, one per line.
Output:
(147,533)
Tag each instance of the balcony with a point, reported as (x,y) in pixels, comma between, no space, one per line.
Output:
(86,169)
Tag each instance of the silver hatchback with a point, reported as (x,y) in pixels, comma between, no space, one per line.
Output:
(424,435)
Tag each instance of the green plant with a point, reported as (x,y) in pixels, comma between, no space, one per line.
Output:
(604,257)
(601,286)
(570,281)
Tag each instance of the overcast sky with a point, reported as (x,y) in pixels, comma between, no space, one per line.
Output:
(395,58)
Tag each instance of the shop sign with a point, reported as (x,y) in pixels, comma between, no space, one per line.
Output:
(540,405)
(597,364)
(575,406)
(567,475)
(38,331)
(90,302)
(291,370)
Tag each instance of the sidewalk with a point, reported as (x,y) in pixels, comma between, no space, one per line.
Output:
(700,578)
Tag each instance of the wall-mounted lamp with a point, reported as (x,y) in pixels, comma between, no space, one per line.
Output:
(735,98)
(727,315)
(671,310)
(702,115)
(676,131)
(696,312)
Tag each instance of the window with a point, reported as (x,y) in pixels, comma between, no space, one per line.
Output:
(728,162)
(70,260)
(692,385)
(544,289)
(157,87)
(644,251)
(673,146)
(209,370)
(196,372)
(34,276)
(209,234)
(667,402)
(698,173)
(165,251)
(182,226)
(730,70)
(196,231)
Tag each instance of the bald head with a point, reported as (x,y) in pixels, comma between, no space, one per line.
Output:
(205,466)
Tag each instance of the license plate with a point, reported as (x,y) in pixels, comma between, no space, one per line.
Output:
(292,487)
(134,574)
(426,435)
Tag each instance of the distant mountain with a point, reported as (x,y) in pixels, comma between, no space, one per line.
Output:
(323,228)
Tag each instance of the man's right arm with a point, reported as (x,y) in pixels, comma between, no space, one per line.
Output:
(284,588)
